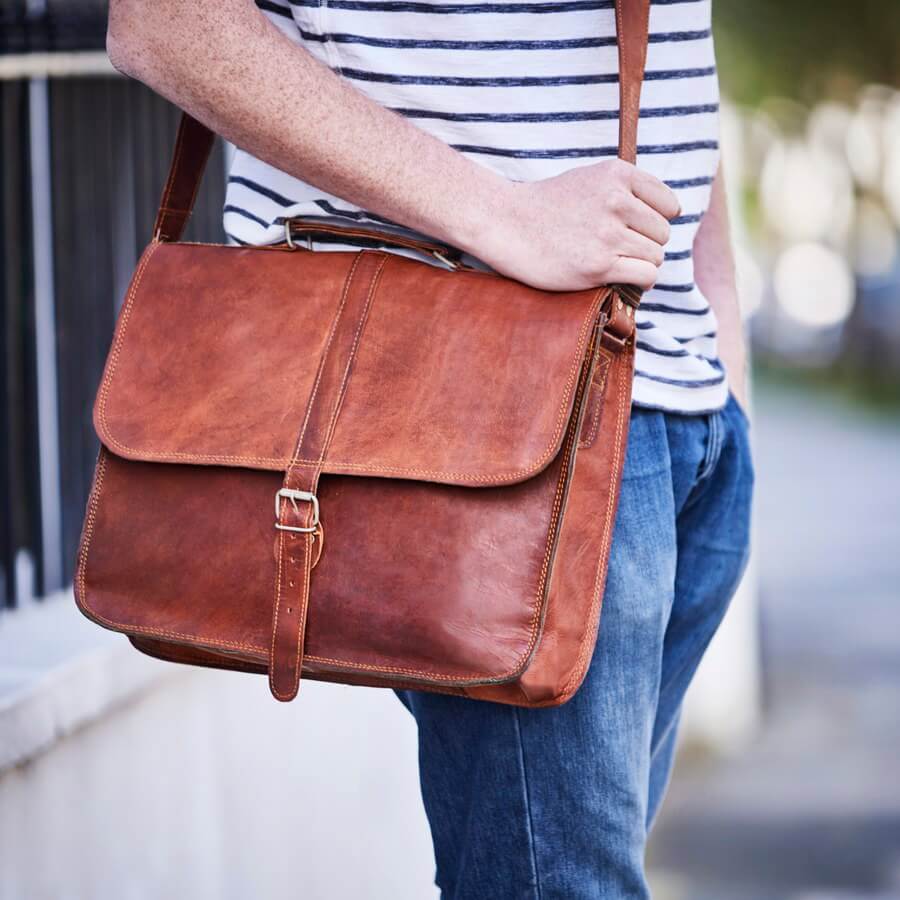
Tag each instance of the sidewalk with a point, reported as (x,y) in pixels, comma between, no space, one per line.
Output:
(811,810)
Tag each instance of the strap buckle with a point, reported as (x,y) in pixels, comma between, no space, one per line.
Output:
(289,237)
(294,495)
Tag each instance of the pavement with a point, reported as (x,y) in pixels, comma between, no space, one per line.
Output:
(810,808)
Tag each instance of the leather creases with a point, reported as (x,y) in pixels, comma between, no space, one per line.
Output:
(458,436)
(437,449)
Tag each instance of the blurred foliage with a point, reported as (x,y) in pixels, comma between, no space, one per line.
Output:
(862,388)
(805,49)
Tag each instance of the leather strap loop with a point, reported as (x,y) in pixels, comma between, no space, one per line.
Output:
(296,554)
(193,145)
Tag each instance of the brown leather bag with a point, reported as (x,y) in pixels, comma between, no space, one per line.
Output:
(358,466)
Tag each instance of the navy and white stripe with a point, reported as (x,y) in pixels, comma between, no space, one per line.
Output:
(528,89)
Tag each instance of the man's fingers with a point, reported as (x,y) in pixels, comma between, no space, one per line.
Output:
(647,221)
(641,247)
(655,194)
(627,270)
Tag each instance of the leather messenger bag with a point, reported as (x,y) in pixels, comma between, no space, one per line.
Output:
(359,466)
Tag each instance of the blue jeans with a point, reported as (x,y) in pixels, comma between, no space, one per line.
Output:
(534,804)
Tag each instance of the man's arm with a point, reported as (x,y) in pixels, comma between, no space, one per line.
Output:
(227,65)
(715,276)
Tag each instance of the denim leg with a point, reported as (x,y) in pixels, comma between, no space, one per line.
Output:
(534,804)
(662,757)
(713,525)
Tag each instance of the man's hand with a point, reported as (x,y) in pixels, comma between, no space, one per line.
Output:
(599,224)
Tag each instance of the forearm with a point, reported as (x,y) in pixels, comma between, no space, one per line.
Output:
(226,64)
(229,66)
(714,272)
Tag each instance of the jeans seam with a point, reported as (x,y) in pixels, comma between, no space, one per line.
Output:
(530,818)
(713,447)
(714,443)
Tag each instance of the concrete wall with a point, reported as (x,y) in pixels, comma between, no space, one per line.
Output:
(204,787)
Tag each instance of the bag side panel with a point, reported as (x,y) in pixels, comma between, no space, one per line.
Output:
(571,625)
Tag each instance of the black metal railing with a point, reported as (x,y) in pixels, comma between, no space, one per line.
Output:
(19,526)
(53,25)
(109,145)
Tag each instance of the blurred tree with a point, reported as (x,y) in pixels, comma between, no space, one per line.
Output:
(805,49)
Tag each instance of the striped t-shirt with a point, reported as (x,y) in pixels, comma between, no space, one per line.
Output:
(529,89)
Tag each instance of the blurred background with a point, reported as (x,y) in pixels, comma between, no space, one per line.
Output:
(122,777)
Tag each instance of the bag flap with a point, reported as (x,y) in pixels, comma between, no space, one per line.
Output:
(458,377)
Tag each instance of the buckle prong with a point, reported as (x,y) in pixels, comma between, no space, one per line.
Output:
(294,495)
(289,237)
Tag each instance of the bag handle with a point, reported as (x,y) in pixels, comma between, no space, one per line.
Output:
(194,140)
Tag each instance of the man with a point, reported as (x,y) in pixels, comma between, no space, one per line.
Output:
(492,126)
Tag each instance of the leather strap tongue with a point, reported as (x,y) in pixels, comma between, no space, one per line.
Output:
(295,553)
(297,503)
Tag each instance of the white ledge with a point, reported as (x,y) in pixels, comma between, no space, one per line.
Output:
(14,66)
(58,672)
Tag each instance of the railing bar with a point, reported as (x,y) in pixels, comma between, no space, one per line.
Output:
(75,64)
(45,337)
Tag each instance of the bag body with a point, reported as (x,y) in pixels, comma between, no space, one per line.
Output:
(356,466)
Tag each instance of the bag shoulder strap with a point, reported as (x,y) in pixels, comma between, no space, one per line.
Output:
(632,31)
(194,140)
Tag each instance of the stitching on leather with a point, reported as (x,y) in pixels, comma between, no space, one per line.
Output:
(221,459)
(170,652)
(294,673)
(623,68)
(596,413)
(81,575)
(536,606)
(170,181)
(117,344)
(101,467)
(597,600)
(342,391)
(93,501)
(334,324)
(396,470)
(275,612)
(592,434)
(281,563)
(304,597)
(304,608)
(355,666)
(545,568)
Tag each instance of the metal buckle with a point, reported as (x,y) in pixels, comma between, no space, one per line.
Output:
(295,495)
(289,238)
(449,263)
